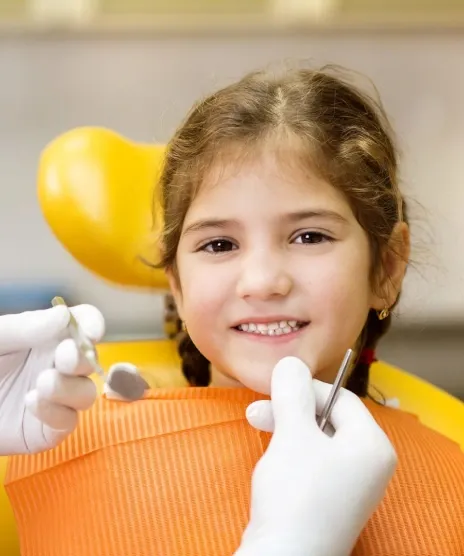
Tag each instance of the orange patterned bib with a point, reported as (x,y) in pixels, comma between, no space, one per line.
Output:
(170,476)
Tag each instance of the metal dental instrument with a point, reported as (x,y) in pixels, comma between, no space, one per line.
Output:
(125,383)
(324,417)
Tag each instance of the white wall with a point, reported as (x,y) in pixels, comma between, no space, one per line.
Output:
(141,87)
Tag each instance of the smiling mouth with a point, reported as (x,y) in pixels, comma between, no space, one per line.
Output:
(281,328)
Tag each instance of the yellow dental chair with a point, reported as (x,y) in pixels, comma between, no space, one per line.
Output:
(97,191)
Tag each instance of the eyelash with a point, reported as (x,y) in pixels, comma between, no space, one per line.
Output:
(319,235)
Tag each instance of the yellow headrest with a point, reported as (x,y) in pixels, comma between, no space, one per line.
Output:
(96,190)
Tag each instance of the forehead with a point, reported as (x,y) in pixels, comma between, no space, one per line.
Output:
(268,183)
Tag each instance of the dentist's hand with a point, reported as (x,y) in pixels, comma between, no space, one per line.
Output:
(312,494)
(43,382)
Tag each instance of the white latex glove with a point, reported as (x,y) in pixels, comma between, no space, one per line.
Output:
(312,494)
(43,382)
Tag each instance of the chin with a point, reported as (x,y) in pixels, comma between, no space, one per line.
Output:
(264,389)
(260,384)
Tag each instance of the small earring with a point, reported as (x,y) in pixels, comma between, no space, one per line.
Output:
(184,326)
(383,314)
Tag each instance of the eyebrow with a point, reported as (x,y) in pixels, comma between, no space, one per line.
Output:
(217,223)
(321,213)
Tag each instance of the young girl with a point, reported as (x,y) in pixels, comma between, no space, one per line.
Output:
(285,230)
(285,234)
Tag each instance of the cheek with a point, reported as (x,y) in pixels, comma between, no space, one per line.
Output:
(344,290)
(205,295)
(340,289)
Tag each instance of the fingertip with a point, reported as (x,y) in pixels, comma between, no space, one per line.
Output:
(75,392)
(290,377)
(70,361)
(289,374)
(57,417)
(88,395)
(292,393)
(91,321)
(260,416)
(67,357)
(293,364)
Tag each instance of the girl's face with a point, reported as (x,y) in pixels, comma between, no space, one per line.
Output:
(272,262)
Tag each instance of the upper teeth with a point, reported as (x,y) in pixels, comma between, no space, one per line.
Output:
(271,328)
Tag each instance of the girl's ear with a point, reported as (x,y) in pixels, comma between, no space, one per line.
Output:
(175,290)
(394,264)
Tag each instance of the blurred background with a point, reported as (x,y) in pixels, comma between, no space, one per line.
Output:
(136,66)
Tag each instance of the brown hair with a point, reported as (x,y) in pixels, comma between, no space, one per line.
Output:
(345,137)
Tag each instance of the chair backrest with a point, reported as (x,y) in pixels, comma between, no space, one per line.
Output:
(97,191)
(434,407)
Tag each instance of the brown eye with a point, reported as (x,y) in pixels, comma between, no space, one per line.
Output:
(218,246)
(312,238)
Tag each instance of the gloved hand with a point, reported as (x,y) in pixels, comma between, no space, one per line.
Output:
(43,381)
(312,493)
